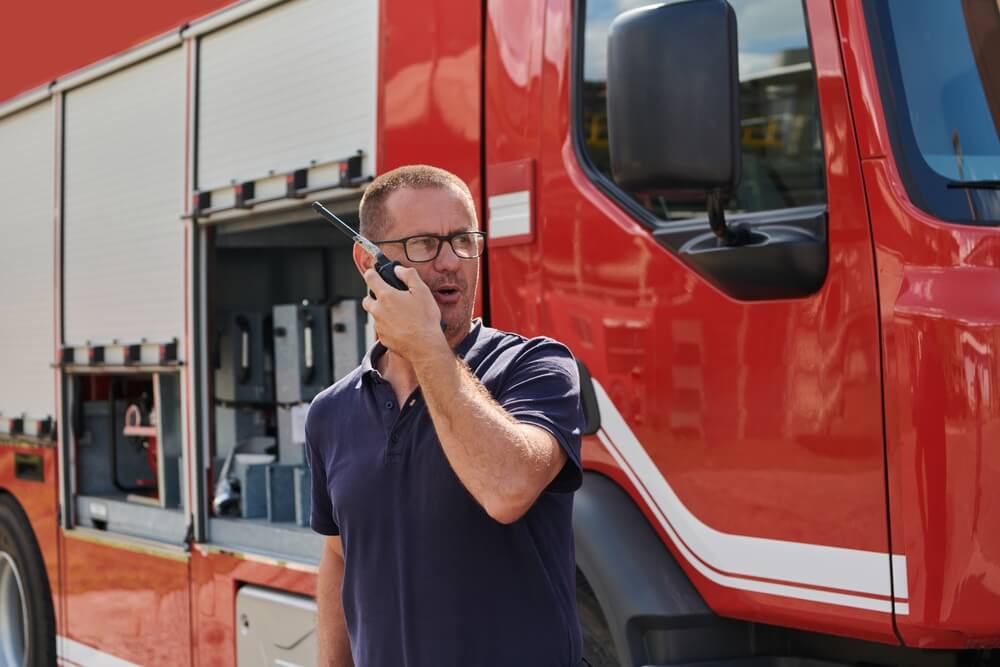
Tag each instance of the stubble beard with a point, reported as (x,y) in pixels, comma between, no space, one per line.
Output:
(458,321)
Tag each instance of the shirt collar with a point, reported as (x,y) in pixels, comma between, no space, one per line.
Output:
(378,349)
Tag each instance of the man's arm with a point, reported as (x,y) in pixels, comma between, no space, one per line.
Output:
(331,628)
(504,464)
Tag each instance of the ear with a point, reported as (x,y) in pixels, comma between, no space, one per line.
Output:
(362,260)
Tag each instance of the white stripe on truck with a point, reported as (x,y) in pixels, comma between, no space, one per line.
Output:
(75,654)
(794,569)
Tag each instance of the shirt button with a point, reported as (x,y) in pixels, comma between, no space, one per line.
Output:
(389,405)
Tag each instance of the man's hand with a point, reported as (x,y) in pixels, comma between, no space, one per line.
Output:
(408,323)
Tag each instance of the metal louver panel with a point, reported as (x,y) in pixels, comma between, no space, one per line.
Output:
(123,189)
(27,290)
(289,86)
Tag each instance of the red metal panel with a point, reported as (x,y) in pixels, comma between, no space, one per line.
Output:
(940,309)
(429,72)
(764,418)
(40,501)
(47,39)
(216,578)
(866,102)
(509,177)
(513,135)
(941,314)
(430,63)
(129,604)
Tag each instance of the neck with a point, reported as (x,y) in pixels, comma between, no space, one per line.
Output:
(456,339)
(398,372)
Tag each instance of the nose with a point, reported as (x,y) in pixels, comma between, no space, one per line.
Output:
(447,260)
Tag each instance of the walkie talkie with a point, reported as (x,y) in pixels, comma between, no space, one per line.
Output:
(384,267)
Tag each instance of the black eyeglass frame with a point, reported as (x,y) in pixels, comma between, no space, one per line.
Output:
(480,236)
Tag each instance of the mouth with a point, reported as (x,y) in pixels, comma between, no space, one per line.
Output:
(447,294)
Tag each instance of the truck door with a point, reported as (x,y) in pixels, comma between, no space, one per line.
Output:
(125,504)
(739,389)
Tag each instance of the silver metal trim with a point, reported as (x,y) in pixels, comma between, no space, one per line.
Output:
(9,613)
(114,63)
(25,100)
(109,369)
(129,543)
(228,15)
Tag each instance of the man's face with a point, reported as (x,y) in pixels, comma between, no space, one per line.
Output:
(451,279)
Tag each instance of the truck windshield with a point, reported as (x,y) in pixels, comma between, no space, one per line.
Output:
(939,67)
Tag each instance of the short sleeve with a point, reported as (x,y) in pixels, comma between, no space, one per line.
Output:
(542,387)
(321,515)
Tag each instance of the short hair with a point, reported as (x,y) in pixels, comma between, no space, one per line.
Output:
(372,210)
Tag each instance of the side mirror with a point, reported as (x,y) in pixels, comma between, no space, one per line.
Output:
(673,102)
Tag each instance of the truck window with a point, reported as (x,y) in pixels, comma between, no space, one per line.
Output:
(938,68)
(782,153)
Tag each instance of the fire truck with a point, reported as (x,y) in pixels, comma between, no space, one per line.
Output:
(767,229)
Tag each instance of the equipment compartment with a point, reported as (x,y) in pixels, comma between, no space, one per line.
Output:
(129,467)
(284,321)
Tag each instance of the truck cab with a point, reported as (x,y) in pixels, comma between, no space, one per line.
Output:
(768,229)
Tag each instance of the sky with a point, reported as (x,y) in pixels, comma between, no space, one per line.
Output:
(765,29)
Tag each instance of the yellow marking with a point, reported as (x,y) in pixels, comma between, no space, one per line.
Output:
(257,558)
(129,543)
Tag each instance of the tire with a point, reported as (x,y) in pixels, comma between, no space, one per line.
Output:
(27,620)
(598,644)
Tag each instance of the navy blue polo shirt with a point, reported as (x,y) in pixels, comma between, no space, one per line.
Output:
(430,579)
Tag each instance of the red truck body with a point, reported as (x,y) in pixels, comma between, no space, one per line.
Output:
(821,463)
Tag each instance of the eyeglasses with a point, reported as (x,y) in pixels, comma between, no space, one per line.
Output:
(426,247)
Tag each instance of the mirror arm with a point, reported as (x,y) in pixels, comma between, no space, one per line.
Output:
(730,236)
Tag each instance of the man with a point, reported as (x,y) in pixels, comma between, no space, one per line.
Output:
(443,467)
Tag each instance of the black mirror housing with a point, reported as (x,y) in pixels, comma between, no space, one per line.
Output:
(673,97)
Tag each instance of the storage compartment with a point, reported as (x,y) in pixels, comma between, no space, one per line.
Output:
(128,462)
(122,245)
(27,337)
(284,322)
(274,628)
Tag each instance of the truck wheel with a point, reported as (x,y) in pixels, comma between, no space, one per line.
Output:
(27,621)
(598,645)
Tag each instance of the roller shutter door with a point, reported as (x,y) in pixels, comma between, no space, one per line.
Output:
(289,86)
(27,291)
(123,183)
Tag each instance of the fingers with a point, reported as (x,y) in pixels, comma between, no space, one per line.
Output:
(375,282)
(410,278)
(375,285)
(408,275)
(369,304)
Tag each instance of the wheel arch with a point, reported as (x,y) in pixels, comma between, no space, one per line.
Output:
(36,585)
(616,551)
